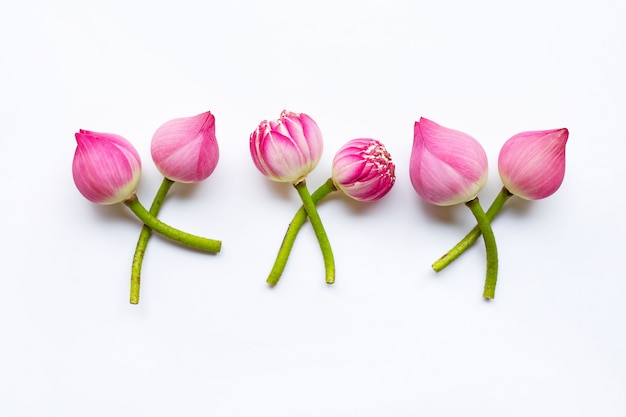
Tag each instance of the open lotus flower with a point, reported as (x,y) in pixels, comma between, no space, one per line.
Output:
(287,149)
(363,170)
(447,166)
(185,149)
(106,167)
(532,164)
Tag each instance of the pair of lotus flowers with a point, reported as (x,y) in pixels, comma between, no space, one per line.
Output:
(446,167)
(107,169)
(288,149)
(450,167)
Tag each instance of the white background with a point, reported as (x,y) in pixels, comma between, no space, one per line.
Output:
(391,337)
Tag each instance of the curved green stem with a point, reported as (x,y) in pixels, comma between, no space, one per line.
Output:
(318,227)
(292,231)
(490,247)
(202,243)
(142,242)
(473,235)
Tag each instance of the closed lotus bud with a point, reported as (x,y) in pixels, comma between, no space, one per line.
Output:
(287,149)
(363,170)
(185,149)
(106,167)
(446,166)
(532,164)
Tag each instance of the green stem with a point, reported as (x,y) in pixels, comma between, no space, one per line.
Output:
(473,235)
(202,243)
(318,227)
(142,243)
(490,247)
(292,231)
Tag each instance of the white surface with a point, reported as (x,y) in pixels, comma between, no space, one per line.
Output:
(390,337)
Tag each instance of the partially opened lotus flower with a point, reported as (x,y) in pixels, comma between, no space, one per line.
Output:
(185,149)
(363,170)
(287,149)
(106,167)
(532,164)
(447,166)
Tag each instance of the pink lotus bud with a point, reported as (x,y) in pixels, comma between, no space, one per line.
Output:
(185,149)
(106,167)
(532,164)
(363,169)
(287,149)
(447,166)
